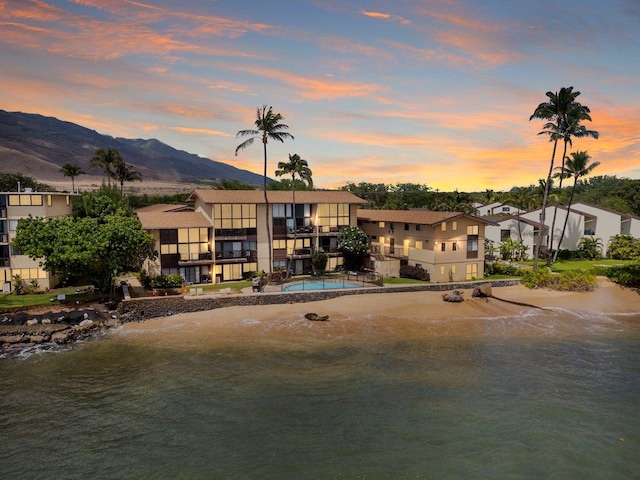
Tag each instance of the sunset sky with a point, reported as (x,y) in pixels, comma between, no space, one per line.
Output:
(424,91)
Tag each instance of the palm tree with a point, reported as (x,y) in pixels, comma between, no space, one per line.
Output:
(71,170)
(557,110)
(300,167)
(106,158)
(125,173)
(268,127)
(524,199)
(572,129)
(575,167)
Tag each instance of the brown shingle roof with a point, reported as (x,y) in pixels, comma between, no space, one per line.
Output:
(257,196)
(155,219)
(421,217)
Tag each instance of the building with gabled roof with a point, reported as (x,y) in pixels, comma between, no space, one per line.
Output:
(223,236)
(449,245)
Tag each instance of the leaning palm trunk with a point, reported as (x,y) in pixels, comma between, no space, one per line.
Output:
(566,220)
(545,199)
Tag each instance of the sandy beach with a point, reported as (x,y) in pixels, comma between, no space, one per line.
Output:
(380,316)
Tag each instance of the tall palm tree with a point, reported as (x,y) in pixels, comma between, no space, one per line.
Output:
(571,130)
(267,127)
(106,158)
(71,170)
(125,173)
(575,167)
(524,199)
(557,110)
(300,167)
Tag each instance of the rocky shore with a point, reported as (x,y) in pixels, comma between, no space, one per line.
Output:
(20,331)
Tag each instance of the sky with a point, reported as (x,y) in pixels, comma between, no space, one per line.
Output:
(436,92)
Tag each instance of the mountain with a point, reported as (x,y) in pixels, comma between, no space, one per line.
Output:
(38,146)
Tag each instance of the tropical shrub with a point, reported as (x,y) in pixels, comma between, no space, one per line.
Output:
(173,280)
(572,280)
(414,272)
(591,248)
(624,247)
(625,275)
(319,262)
(501,268)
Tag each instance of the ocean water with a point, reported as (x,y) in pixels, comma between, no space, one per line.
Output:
(552,395)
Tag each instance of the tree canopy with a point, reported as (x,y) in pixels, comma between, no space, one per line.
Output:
(354,244)
(9,183)
(102,239)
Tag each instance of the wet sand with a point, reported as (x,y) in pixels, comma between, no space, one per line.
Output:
(379,317)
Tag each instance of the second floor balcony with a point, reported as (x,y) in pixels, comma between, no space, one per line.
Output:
(203,258)
(233,256)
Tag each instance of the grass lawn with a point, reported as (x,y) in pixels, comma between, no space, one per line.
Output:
(593,266)
(10,300)
(400,281)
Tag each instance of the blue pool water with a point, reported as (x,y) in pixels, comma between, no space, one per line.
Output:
(320,285)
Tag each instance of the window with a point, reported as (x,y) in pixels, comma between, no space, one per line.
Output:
(13,225)
(506,209)
(454,225)
(380,224)
(406,226)
(505,235)
(454,246)
(472,246)
(442,270)
(471,271)
(472,230)
(234,215)
(444,226)
(418,228)
(392,226)
(334,215)
(419,244)
(443,247)
(25,200)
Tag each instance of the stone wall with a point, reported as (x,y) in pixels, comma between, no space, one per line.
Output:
(138,309)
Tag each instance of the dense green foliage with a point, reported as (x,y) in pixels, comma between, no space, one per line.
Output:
(414,272)
(138,201)
(624,247)
(571,280)
(354,245)
(625,275)
(319,262)
(9,183)
(100,240)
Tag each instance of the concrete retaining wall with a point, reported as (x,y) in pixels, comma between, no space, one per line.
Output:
(138,309)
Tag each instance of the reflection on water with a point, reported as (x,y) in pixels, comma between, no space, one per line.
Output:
(541,395)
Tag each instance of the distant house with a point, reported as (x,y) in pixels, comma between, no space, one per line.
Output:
(495,208)
(604,223)
(518,229)
(449,245)
(13,207)
(223,236)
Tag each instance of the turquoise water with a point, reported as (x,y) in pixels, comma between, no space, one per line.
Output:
(317,285)
(527,397)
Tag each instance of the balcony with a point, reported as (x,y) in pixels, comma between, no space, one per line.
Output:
(388,251)
(5,262)
(205,258)
(231,234)
(236,256)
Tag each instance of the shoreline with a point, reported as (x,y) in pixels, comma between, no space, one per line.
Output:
(389,315)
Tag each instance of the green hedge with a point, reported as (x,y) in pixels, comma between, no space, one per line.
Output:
(573,280)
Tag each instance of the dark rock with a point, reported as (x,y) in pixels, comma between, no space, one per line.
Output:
(482,290)
(314,317)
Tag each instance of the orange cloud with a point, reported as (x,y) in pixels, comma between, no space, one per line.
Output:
(386,16)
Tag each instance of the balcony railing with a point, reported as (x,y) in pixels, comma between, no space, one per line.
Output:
(196,258)
(238,255)
(231,233)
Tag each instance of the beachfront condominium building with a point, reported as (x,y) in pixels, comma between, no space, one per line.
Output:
(13,207)
(223,235)
(449,245)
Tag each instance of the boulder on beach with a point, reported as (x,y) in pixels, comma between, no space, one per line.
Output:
(314,317)
(455,296)
(482,290)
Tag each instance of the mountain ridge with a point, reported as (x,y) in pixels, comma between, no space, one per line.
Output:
(49,143)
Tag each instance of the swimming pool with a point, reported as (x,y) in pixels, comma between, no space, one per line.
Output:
(320,285)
